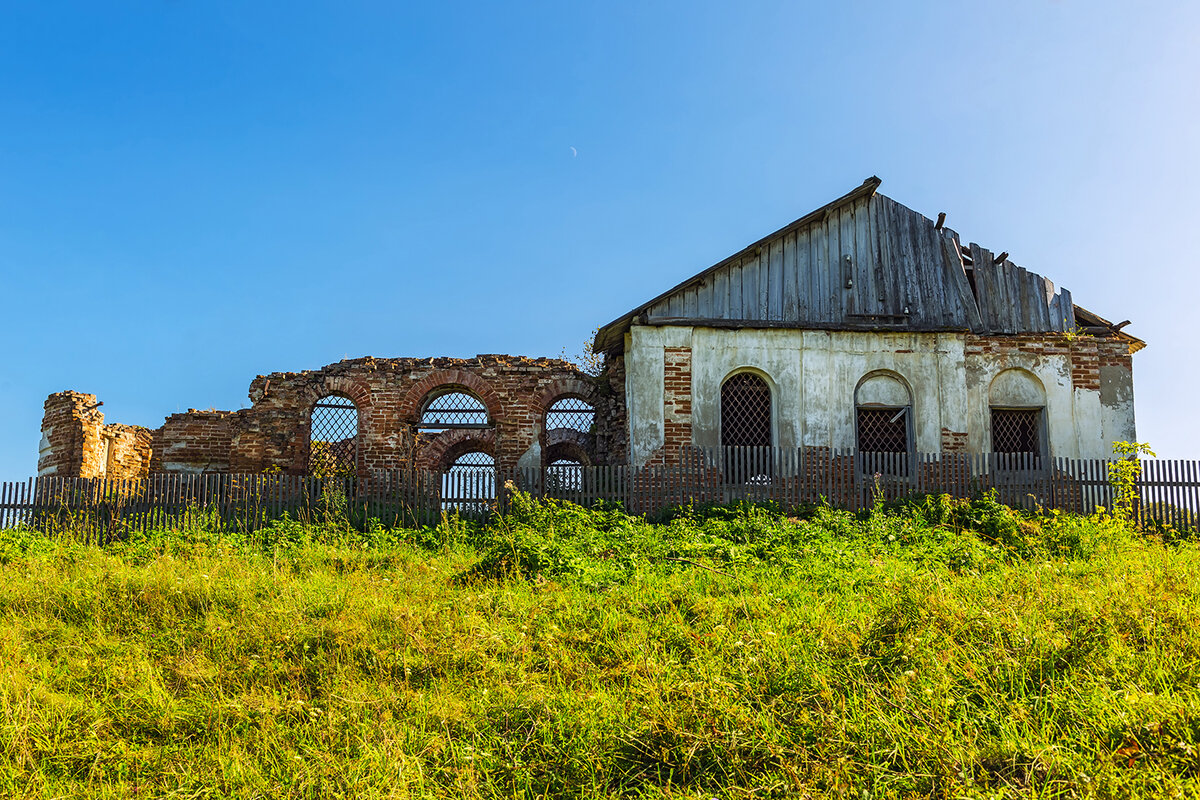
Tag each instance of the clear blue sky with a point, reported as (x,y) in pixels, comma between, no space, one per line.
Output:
(193,193)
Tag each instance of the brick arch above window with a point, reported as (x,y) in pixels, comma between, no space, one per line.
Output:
(352,389)
(444,448)
(565,387)
(444,381)
(567,443)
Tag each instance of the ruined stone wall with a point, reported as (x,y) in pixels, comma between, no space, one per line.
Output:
(389,394)
(195,441)
(76,443)
(612,419)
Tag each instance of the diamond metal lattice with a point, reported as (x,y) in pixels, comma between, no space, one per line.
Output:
(883,430)
(571,413)
(469,483)
(565,474)
(333,437)
(454,410)
(745,411)
(1016,430)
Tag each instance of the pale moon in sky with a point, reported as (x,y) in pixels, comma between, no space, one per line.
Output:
(574,152)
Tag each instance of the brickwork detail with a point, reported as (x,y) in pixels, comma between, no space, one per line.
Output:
(1086,354)
(389,394)
(677,397)
(953,441)
(77,443)
(195,441)
(611,439)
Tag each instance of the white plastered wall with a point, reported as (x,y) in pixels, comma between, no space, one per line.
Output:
(813,376)
(1072,416)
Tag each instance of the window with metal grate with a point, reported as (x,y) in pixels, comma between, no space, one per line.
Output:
(883,430)
(333,437)
(745,411)
(564,474)
(571,413)
(470,483)
(1016,430)
(453,410)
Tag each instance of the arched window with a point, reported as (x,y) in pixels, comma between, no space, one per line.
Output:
(570,413)
(469,483)
(745,411)
(333,437)
(453,409)
(1017,404)
(883,415)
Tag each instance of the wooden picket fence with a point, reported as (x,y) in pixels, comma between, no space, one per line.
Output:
(103,509)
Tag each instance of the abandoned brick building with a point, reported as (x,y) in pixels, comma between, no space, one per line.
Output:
(862,325)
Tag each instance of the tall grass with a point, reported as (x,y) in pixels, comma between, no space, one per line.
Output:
(940,648)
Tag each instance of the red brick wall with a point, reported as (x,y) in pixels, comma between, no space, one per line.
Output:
(953,441)
(677,397)
(274,433)
(195,441)
(612,420)
(77,443)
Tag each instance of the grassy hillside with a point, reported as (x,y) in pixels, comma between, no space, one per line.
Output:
(943,649)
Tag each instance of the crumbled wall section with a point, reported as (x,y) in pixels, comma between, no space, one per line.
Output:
(129,451)
(390,393)
(953,441)
(677,397)
(195,441)
(77,444)
(273,434)
(612,419)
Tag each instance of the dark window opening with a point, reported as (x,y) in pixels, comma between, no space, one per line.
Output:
(745,411)
(1017,430)
(883,440)
(883,430)
(571,413)
(333,438)
(454,410)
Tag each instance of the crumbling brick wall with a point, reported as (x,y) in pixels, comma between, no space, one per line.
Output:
(612,420)
(389,394)
(77,443)
(195,441)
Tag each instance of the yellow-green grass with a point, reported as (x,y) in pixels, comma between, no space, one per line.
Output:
(570,653)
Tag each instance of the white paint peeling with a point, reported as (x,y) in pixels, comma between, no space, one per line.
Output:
(814,376)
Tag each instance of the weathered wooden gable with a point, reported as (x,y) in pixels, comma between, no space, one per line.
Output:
(863,262)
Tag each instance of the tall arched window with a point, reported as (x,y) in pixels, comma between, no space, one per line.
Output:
(745,411)
(1017,404)
(333,437)
(883,424)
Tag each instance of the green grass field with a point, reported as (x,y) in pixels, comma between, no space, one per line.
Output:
(943,649)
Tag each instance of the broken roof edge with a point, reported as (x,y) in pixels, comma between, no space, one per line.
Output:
(608,337)
(1135,344)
